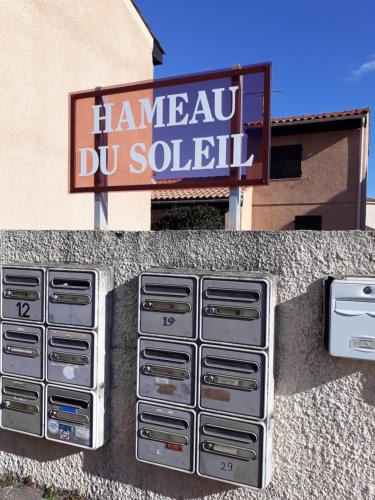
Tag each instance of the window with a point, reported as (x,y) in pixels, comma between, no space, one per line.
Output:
(286,161)
(313,222)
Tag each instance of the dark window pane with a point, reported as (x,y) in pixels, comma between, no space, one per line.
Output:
(313,222)
(286,161)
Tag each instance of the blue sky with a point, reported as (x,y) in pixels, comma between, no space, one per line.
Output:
(322,52)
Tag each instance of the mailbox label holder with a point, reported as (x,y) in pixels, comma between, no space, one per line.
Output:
(167,434)
(167,371)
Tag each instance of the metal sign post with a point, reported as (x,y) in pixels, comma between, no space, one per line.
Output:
(234,215)
(101,198)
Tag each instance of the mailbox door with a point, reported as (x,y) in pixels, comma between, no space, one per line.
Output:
(70,357)
(168,306)
(166,436)
(71,298)
(233,381)
(352,319)
(69,416)
(22,406)
(234,311)
(231,450)
(23,294)
(22,350)
(166,371)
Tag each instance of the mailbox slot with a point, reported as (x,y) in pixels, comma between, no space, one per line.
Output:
(167,371)
(22,350)
(352,317)
(233,381)
(22,297)
(69,416)
(72,298)
(232,450)
(166,436)
(168,305)
(234,311)
(71,357)
(22,406)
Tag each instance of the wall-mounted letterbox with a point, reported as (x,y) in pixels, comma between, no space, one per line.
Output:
(233,450)
(168,305)
(22,406)
(71,417)
(22,297)
(166,436)
(167,371)
(351,317)
(235,311)
(71,357)
(233,381)
(72,298)
(22,350)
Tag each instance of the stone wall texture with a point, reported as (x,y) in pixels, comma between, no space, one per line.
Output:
(324,407)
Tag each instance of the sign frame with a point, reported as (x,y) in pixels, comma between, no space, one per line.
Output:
(232,180)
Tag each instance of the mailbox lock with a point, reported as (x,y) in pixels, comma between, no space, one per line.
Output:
(367,290)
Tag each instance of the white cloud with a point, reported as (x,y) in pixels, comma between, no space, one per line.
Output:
(365,68)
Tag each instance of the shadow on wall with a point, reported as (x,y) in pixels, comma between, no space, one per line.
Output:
(300,321)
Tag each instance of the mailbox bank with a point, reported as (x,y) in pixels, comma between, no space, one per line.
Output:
(54,351)
(208,376)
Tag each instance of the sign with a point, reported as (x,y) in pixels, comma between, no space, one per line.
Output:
(210,129)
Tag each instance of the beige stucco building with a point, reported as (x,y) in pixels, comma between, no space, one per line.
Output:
(318,176)
(49,49)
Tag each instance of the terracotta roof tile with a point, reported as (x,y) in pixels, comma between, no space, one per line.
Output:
(190,194)
(319,116)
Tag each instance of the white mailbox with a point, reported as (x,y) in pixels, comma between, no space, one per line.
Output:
(351,317)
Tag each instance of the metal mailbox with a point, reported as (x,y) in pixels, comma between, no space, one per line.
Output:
(166,436)
(233,381)
(71,357)
(167,371)
(72,297)
(22,406)
(233,450)
(168,305)
(22,297)
(351,321)
(72,418)
(22,350)
(235,311)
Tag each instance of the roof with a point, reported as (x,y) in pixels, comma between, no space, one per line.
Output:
(190,194)
(322,116)
(148,26)
(223,192)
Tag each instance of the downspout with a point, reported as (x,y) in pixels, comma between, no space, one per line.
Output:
(360,173)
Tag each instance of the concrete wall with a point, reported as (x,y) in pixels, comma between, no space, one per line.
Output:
(328,186)
(48,49)
(324,407)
